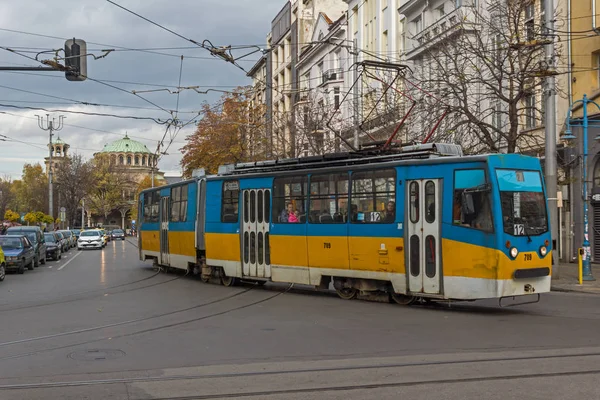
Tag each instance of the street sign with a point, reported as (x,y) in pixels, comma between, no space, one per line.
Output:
(63,209)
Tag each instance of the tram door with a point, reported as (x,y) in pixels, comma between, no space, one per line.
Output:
(164,231)
(423,234)
(256,259)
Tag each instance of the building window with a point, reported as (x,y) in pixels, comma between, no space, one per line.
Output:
(128,160)
(230,201)
(121,160)
(328,198)
(530,111)
(596,64)
(320,72)
(440,11)
(530,22)
(374,196)
(179,197)
(336,97)
(355,20)
(137,160)
(289,199)
(418,24)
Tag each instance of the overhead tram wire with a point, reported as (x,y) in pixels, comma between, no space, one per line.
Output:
(92,79)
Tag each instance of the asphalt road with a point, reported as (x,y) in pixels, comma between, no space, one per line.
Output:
(103,325)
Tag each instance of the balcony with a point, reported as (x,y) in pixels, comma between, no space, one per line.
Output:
(336,74)
(441,30)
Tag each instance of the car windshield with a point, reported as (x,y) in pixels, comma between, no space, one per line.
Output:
(90,233)
(117,231)
(523,202)
(8,243)
(50,237)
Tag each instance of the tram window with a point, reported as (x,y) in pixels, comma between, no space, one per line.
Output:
(328,199)
(230,201)
(471,186)
(179,203)
(374,197)
(414,202)
(289,200)
(151,202)
(430,201)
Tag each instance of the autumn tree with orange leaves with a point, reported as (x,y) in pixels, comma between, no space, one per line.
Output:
(230,131)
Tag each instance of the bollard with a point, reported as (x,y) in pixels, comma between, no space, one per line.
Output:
(580,265)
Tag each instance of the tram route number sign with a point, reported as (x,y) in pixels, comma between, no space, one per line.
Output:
(519,229)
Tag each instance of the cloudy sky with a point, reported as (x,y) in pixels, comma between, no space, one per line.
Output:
(32,26)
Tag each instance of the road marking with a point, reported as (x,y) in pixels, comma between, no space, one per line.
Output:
(67,263)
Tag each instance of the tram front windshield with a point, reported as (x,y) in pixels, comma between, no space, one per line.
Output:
(523,202)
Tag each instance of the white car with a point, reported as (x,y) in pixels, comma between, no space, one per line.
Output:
(90,240)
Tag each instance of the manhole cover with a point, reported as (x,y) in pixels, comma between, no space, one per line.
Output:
(96,354)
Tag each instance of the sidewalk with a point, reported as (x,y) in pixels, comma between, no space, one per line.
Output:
(569,280)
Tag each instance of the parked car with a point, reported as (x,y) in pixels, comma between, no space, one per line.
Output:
(53,245)
(70,238)
(2,265)
(19,252)
(90,239)
(36,237)
(118,234)
(76,233)
(64,243)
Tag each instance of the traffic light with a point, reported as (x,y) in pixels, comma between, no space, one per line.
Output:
(76,60)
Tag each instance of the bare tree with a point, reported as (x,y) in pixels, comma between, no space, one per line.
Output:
(73,179)
(485,74)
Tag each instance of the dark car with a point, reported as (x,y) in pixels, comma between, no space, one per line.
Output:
(53,245)
(36,237)
(70,238)
(64,241)
(118,234)
(19,252)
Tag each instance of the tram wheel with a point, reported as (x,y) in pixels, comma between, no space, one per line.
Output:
(347,293)
(403,299)
(228,280)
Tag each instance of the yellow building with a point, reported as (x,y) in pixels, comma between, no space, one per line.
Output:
(583,27)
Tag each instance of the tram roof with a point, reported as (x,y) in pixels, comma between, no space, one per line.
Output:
(419,152)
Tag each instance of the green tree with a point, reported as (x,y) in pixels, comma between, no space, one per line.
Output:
(7,195)
(32,192)
(111,182)
(47,219)
(11,216)
(30,218)
(225,135)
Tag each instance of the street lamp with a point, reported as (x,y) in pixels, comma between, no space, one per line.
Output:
(568,136)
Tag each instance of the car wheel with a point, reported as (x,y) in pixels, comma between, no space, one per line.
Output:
(31,265)
(21,270)
(2,272)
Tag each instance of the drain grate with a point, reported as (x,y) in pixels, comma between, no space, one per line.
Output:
(96,354)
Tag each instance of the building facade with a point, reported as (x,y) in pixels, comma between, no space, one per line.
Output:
(584,74)
(59,150)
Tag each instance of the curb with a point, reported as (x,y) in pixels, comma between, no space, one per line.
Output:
(564,290)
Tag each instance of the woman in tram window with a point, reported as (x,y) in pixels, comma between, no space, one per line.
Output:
(390,212)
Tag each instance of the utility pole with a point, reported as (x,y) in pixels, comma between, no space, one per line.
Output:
(50,126)
(355,94)
(153,162)
(82,213)
(550,122)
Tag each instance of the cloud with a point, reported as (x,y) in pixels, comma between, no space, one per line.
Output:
(104,25)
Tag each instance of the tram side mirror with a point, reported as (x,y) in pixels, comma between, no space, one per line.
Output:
(468,206)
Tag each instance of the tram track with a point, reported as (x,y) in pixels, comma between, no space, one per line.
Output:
(138,332)
(297,371)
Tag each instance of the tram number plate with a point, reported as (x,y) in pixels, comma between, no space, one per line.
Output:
(527,257)
(326,245)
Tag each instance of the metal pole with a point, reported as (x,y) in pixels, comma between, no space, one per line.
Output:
(355,94)
(550,123)
(587,271)
(50,199)
(82,213)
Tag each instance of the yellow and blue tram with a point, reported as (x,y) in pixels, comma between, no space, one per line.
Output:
(420,222)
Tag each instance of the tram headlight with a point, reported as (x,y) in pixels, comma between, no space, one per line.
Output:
(514,252)
(543,251)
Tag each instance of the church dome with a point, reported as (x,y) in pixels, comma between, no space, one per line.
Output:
(125,145)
